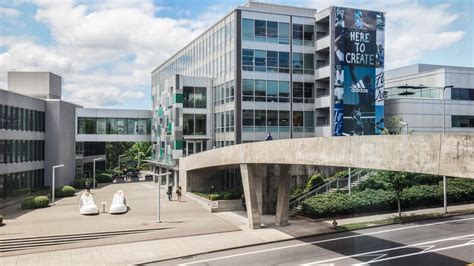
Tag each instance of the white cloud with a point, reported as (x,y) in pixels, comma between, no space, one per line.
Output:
(104,46)
(9,12)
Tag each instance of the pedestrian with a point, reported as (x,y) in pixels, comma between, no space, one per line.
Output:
(88,185)
(242,198)
(269,136)
(170,192)
(178,192)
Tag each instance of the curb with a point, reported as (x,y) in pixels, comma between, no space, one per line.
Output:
(299,238)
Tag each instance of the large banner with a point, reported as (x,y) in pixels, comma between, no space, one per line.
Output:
(359,72)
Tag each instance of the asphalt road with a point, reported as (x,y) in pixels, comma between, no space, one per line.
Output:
(447,241)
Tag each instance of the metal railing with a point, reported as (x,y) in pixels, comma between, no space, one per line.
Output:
(339,183)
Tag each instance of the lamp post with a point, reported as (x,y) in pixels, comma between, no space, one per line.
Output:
(96,159)
(158,213)
(53,182)
(445,190)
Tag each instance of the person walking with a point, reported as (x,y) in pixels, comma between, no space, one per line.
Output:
(170,193)
(269,136)
(179,193)
(88,185)
(242,198)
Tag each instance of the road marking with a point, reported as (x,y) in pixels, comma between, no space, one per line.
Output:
(395,248)
(328,240)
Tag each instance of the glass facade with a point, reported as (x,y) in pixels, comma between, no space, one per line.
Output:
(16,118)
(21,183)
(463,121)
(194,97)
(194,124)
(462,94)
(21,151)
(113,126)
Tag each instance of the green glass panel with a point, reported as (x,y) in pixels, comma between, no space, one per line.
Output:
(178,98)
(178,144)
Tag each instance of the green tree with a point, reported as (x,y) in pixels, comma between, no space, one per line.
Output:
(396,181)
(139,151)
(394,124)
(113,150)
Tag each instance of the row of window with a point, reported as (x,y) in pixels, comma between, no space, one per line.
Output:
(20,151)
(462,121)
(21,183)
(111,126)
(224,93)
(90,148)
(273,61)
(271,120)
(16,118)
(194,124)
(224,121)
(276,91)
(194,97)
(277,32)
(462,94)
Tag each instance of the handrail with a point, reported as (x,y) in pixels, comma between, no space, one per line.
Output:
(325,187)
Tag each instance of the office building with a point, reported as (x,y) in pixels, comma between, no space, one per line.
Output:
(270,69)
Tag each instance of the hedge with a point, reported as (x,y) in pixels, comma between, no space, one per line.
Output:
(103,178)
(80,183)
(33,202)
(369,200)
(64,191)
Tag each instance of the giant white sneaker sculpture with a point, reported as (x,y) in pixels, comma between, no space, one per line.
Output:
(87,204)
(119,203)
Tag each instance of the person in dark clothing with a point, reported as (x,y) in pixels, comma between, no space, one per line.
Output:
(88,185)
(242,198)
(170,193)
(179,193)
(269,136)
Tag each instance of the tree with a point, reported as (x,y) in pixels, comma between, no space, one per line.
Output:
(395,125)
(113,150)
(396,181)
(139,151)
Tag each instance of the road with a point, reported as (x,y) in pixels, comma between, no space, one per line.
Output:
(448,241)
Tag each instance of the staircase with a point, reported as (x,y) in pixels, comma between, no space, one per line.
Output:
(340,183)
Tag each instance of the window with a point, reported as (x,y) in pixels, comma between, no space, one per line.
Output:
(272,91)
(132,126)
(283,91)
(247,90)
(297,63)
(297,34)
(272,61)
(297,92)
(309,121)
(260,90)
(283,33)
(308,35)
(272,119)
(81,125)
(462,121)
(101,127)
(284,119)
(111,126)
(308,92)
(308,64)
(247,118)
(90,125)
(260,120)
(297,118)
(260,30)
(194,97)
(194,124)
(122,126)
(272,31)
(188,93)
(2,152)
(284,62)
(462,94)
(260,61)
(247,59)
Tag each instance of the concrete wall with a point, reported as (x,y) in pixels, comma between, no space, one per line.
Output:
(60,145)
(44,85)
(450,155)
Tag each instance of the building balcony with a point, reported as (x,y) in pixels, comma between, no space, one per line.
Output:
(322,44)
(322,102)
(323,131)
(323,72)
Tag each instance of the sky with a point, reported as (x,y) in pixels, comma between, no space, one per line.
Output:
(105,50)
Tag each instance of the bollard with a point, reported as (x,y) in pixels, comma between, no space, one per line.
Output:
(103,206)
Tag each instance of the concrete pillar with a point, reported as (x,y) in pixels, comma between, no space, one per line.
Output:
(248,181)
(283,197)
(175,178)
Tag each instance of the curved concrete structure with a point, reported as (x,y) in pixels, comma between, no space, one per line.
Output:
(450,155)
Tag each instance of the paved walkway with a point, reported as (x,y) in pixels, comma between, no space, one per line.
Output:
(148,251)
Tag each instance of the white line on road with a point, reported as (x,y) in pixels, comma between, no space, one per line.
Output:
(392,249)
(328,240)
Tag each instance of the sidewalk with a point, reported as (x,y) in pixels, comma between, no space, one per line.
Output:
(148,251)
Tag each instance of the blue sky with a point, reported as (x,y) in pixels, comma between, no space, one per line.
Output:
(105,50)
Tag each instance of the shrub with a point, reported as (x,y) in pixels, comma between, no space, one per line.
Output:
(214,197)
(28,203)
(314,180)
(103,178)
(64,191)
(34,202)
(80,183)
(41,201)
(227,196)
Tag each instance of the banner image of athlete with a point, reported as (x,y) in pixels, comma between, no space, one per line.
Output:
(358,74)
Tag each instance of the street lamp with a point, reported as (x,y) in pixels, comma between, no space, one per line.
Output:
(445,190)
(158,218)
(96,159)
(53,183)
